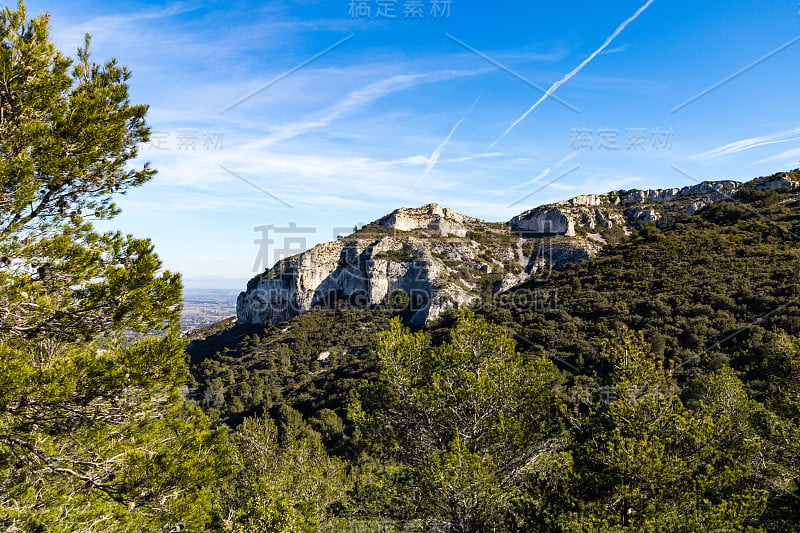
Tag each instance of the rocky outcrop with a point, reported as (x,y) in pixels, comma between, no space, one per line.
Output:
(666,195)
(431,217)
(589,200)
(777,184)
(619,208)
(545,220)
(642,214)
(435,258)
(708,200)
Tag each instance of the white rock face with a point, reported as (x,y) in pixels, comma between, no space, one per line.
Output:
(439,259)
(708,200)
(436,257)
(603,211)
(778,185)
(589,200)
(659,195)
(643,214)
(563,219)
(423,253)
(545,220)
(665,195)
(329,272)
(432,217)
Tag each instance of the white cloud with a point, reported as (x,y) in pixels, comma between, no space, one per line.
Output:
(783,156)
(359,99)
(748,144)
(112,26)
(474,157)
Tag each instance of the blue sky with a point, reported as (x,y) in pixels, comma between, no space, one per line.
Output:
(406,111)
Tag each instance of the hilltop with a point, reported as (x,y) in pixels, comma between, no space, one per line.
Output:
(684,316)
(440,259)
(686,280)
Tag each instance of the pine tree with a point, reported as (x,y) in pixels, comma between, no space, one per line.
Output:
(67,133)
(645,462)
(460,427)
(93,435)
(283,485)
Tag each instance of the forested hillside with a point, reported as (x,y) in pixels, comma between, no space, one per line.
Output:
(671,397)
(705,290)
(655,386)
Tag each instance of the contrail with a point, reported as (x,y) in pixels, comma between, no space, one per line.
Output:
(439,149)
(577,69)
(542,175)
(546,172)
(747,144)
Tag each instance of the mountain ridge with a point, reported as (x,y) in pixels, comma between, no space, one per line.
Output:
(438,258)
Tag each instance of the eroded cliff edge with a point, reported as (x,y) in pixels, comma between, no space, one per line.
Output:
(438,258)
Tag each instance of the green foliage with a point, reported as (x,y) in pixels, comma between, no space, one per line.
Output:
(615,234)
(67,132)
(454,429)
(93,436)
(285,487)
(581,230)
(493,236)
(706,277)
(403,255)
(462,421)
(104,432)
(782,424)
(644,462)
(275,359)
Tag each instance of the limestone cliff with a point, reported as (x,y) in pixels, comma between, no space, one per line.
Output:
(595,213)
(437,258)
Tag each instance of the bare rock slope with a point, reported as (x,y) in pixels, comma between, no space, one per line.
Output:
(437,258)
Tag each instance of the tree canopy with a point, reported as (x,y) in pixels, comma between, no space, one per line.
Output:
(661,394)
(94,435)
(68,135)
